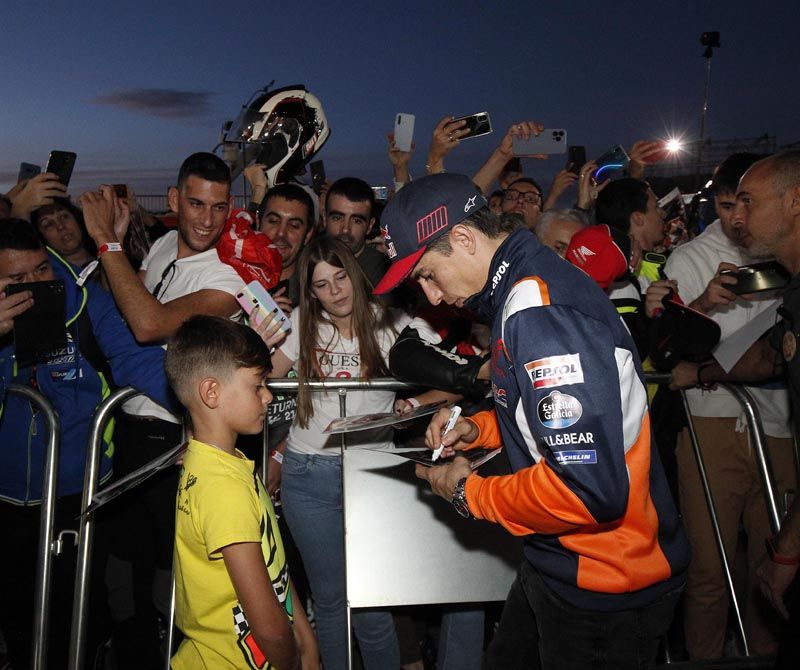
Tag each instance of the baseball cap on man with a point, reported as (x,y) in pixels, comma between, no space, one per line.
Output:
(420,213)
(601,252)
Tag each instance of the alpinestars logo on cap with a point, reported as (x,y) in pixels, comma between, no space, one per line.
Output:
(431,224)
(387,240)
(470,203)
(583,252)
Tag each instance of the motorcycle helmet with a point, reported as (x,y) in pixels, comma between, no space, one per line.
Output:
(282,129)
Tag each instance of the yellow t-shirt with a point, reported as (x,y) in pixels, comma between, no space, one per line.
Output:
(220,502)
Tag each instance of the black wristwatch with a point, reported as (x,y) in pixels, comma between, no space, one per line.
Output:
(460,499)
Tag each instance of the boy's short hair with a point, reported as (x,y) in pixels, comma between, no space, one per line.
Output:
(210,346)
(726,179)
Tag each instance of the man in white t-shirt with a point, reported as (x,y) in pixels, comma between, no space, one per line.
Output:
(721,429)
(181,276)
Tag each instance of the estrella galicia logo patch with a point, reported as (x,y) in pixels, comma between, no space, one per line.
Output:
(559,410)
(555,371)
(577,457)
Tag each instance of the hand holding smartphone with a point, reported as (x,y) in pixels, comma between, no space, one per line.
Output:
(611,161)
(475,125)
(260,306)
(40,328)
(404,131)
(61,164)
(576,158)
(549,141)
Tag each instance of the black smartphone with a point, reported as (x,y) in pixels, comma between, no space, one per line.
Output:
(612,160)
(40,329)
(767,276)
(576,158)
(121,191)
(476,124)
(317,175)
(61,163)
(28,171)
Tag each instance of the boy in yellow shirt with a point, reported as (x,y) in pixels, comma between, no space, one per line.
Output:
(235,602)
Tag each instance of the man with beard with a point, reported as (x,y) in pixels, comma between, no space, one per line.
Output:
(181,276)
(768,203)
(349,217)
(718,419)
(287,219)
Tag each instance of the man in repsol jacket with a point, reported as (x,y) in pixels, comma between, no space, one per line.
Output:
(605,552)
(74,378)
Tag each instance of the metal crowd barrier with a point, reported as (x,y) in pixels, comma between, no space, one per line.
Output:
(77,646)
(44,564)
(341,386)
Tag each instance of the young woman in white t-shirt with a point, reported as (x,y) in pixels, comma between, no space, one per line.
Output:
(338,330)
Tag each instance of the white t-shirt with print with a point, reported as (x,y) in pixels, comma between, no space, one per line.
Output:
(338,357)
(188,275)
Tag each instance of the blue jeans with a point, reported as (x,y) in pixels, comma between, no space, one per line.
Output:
(311,490)
(461,638)
(538,629)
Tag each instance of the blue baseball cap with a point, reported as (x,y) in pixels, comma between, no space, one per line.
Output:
(420,213)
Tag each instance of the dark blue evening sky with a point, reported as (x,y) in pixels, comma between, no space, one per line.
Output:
(609,72)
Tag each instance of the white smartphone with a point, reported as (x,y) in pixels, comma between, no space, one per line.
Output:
(259,306)
(404,131)
(549,141)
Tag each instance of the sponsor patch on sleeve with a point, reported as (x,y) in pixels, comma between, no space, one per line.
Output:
(576,457)
(555,371)
(559,410)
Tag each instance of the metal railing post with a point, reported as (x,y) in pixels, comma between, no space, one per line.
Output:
(714,521)
(77,647)
(44,563)
(758,441)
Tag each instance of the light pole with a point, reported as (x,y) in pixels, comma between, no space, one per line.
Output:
(709,40)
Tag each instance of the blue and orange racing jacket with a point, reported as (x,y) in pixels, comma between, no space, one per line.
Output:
(587,492)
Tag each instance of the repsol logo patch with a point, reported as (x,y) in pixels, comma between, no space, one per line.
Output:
(559,410)
(555,371)
(499,274)
(577,457)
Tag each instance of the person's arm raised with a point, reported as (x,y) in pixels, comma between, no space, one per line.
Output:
(491,169)
(150,320)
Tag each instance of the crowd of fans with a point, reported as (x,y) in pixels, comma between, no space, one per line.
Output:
(254,588)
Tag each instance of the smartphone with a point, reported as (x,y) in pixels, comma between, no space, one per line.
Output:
(28,171)
(259,305)
(121,191)
(61,163)
(381,192)
(41,328)
(317,169)
(576,158)
(513,165)
(549,141)
(758,277)
(404,131)
(477,124)
(612,160)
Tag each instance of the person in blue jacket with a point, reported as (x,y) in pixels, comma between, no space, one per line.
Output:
(75,378)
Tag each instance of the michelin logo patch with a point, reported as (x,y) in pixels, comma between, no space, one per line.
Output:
(587,457)
(559,410)
(555,371)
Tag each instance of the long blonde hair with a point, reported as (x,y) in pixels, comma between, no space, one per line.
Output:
(366,321)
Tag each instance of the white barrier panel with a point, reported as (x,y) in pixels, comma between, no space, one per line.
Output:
(406,546)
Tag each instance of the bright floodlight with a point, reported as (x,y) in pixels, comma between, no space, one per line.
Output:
(673,145)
